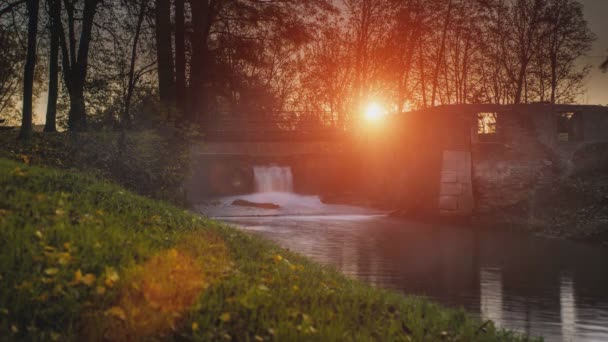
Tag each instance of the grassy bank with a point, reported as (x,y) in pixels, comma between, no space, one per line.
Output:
(85,259)
(150,162)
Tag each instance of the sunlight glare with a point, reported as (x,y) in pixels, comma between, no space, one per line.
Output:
(374,112)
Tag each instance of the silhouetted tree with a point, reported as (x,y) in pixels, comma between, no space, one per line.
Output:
(53,89)
(75,58)
(180,56)
(30,64)
(164,52)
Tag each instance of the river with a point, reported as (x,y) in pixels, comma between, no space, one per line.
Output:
(538,286)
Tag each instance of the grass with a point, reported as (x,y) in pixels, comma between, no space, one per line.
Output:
(84,259)
(147,162)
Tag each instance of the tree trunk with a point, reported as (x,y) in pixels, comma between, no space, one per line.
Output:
(164,54)
(439,61)
(30,64)
(180,57)
(422,76)
(75,73)
(519,87)
(51,109)
(126,115)
(199,75)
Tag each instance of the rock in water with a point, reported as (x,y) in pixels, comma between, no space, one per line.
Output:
(244,203)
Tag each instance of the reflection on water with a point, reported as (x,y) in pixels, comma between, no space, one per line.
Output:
(541,287)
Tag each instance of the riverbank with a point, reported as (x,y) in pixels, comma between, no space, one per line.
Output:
(83,258)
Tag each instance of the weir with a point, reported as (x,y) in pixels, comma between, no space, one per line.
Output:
(273,178)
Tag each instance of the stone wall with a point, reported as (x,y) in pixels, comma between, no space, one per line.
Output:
(528,154)
(506,171)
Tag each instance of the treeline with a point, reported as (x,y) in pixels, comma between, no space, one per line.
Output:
(118,62)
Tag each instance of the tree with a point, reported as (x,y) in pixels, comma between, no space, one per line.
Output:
(28,76)
(12,57)
(75,58)
(53,89)
(11,6)
(132,79)
(567,39)
(164,51)
(180,57)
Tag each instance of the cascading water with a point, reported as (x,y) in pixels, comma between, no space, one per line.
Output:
(273,179)
(274,185)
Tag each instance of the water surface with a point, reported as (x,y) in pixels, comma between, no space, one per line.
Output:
(541,287)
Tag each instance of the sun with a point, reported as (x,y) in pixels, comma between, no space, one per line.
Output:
(374,112)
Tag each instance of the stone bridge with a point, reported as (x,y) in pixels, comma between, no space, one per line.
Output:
(451,160)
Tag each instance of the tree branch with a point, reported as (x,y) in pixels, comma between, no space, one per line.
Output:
(10,7)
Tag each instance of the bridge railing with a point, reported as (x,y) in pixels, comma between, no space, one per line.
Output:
(258,126)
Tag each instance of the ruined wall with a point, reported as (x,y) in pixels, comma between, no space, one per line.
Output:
(529,154)
(508,170)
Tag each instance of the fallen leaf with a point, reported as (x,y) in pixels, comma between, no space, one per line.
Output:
(225,317)
(117,312)
(88,279)
(51,271)
(111,277)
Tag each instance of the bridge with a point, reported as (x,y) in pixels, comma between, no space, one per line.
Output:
(447,161)
(272,126)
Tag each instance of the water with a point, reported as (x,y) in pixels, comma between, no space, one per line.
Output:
(541,287)
(273,179)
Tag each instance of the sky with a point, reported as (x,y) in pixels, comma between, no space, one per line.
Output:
(596,85)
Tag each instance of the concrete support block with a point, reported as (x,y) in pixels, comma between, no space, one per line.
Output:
(448,203)
(451,189)
(449,177)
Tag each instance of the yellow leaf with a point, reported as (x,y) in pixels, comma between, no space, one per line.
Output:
(117,312)
(278,258)
(194,326)
(100,290)
(77,278)
(46,280)
(39,234)
(51,271)
(258,338)
(88,279)
(225,317)
(14,329)
(111,277)
(64,258)
(55,336)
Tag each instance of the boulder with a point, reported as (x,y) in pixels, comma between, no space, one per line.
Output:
(244,203)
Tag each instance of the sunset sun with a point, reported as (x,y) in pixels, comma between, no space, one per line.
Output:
(374,112)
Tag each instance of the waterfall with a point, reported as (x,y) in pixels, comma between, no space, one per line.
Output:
(273,179)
